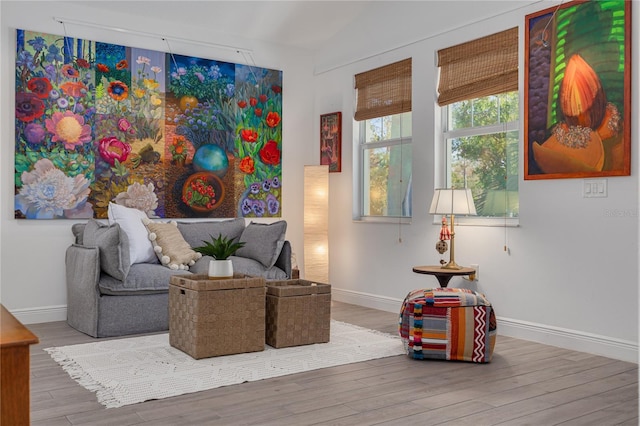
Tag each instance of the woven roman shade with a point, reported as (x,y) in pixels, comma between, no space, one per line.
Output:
(482,67)
(384,91)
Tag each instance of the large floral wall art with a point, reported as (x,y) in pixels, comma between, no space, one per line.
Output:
(171,135)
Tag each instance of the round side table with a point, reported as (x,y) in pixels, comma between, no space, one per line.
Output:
(444,275)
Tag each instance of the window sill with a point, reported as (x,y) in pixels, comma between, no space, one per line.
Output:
(383,219)
(496,222)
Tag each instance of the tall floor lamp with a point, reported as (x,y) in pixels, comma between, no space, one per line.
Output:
(316,223)
(452,202)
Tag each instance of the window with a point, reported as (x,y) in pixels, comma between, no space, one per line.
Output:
(481,145)
(385,156)
(383,108)
(478,93)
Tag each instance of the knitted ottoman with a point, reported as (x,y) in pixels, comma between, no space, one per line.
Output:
(448,323)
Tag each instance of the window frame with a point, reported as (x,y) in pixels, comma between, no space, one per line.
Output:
(444,134)
(363,147)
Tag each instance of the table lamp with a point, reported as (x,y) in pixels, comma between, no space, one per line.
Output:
(452,202)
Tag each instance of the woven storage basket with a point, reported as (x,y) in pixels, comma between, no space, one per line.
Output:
(298,313)
(216,317)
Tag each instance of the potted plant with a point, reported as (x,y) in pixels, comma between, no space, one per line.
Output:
(220,249)
(179,150)
(203,192)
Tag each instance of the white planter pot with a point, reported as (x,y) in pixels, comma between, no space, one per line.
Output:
(219,269)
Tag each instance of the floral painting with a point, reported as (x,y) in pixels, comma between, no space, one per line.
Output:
(578,91)
(174,136)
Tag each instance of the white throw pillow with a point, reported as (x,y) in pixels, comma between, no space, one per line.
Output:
(130,221)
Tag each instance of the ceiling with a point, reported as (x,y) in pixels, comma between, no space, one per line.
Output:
(335,32)
(304,24)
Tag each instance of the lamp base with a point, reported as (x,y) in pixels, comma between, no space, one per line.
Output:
(451,265)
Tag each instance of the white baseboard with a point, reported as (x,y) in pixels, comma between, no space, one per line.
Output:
(43,314)
(382,303)
(609,347)
(564,338)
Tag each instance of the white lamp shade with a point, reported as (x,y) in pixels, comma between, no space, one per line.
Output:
(316,223)
(452,201)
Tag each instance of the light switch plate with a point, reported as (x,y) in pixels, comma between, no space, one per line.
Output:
(594,188)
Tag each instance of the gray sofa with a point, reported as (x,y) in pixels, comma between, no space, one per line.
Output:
(102,305)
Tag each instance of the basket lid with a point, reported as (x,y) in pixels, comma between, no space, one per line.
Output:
(204,283)
(287,288)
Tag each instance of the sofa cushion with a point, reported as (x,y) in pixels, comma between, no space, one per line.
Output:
(113,246)
(170,247)
(263,242)
(143,278)
(78,232)
(254,268)
(242,265)
(195,233)
(130,220)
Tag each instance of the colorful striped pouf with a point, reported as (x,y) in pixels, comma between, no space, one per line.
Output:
(448,323)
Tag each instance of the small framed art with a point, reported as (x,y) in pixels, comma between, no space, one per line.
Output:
(331,141)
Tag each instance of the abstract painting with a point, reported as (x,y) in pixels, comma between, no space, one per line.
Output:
(578,91)
(331,141)
(174,136)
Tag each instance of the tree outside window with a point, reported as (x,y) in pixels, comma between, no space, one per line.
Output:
(481,137)
(385,146)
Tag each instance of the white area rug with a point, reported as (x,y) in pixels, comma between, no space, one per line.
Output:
(131,370)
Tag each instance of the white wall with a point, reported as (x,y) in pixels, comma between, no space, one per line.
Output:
(570,277)
(32,281)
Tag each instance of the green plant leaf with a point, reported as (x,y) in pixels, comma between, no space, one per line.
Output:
(219,248)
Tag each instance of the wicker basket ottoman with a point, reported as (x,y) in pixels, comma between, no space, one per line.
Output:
(216,317)
(298,313)
(448,323)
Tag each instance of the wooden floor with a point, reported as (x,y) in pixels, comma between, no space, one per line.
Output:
(525,384)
